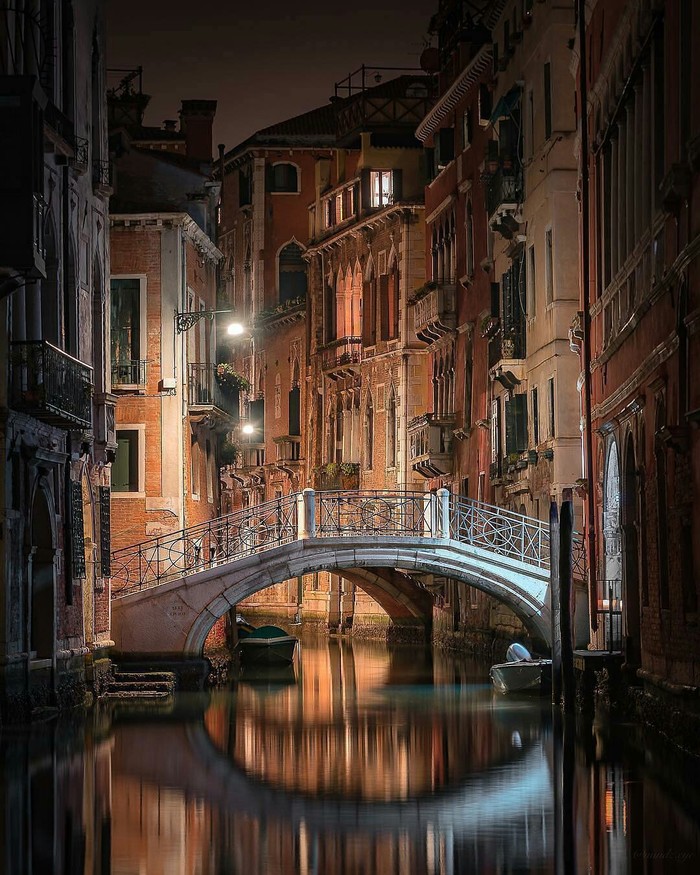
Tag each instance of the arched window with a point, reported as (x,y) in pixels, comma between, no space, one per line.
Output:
(292,273)
(284,177)
(611,585)
(369,433)
(391,435)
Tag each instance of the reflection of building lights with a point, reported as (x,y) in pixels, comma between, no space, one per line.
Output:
(516,740)
(609,816)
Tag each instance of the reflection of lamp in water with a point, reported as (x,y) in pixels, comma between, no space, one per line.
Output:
(516,740)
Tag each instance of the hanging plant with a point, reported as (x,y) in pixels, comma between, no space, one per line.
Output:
(228,453)
(230,380)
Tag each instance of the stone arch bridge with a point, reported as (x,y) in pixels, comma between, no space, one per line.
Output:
(168,592)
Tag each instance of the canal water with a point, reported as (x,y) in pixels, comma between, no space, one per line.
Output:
(360,759)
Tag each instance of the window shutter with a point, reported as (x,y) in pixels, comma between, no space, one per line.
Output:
(547,101)
(495,299)
(397,185)
(295,411)
(384,306)
(394,304)
(77,551)
(367,314)
(507,300)
(105,535)
(365,193)
(269,177)
(516,424)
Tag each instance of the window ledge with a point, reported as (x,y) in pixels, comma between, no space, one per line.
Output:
(128,494)
(284,192)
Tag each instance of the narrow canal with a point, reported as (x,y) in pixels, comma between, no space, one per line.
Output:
(360,759)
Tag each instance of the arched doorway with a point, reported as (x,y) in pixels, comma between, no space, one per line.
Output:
(610,592)
(42,610)
(630,536)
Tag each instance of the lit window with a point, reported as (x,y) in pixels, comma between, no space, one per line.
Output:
(380,187)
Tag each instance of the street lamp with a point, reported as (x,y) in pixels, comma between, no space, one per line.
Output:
(185,321)
(248,428)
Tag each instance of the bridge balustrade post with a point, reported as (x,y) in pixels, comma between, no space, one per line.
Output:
(443,513)
(306,515)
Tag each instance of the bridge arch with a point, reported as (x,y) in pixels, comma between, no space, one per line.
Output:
(175,618)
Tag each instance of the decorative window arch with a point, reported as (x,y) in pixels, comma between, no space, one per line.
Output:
(291,272)
(284,178)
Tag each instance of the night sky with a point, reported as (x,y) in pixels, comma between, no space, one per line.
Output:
(263,61)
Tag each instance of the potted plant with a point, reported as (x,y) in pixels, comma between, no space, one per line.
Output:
(230,380)
(228,453)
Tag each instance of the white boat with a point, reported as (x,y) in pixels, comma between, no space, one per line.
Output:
(521,673)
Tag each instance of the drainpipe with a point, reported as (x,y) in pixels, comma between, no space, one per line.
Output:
(586,302)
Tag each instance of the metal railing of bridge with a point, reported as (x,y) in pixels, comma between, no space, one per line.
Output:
(333,514)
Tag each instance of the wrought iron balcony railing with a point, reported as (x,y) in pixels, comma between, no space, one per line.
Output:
(129,373)
(341,357)
(102,176)
(50,385)
(434,314)
(204,394)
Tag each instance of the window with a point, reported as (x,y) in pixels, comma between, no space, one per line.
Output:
(516,424)
(444,147)
(292,273)
(547,100)
(548,267)
(531,289)
(125,468)
(391,435)
(210,473)
(485,105)
(245,187)
(467,129)
(552,419)
(284,178)
(380,188)
(495,432)
(127,329)
(535,417)
(329,212)
(529,124)
(470,239)
(295,411)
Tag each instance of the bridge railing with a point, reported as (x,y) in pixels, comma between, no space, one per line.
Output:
(499,531)
(238,534)
(344,514)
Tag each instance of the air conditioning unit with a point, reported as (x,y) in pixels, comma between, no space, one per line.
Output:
(167,384)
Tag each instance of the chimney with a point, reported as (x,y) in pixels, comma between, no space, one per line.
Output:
(196,120)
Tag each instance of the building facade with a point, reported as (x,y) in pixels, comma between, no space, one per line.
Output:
(57,414)
(642,162)
(173,406)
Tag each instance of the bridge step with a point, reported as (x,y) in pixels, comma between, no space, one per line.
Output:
(123,695)
(142,676)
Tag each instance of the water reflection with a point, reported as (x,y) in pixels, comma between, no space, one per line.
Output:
(363,759)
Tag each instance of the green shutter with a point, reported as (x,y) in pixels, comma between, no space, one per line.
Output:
(516,424)
(77,532)
(105,537)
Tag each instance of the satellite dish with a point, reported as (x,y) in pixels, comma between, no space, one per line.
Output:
(430,60)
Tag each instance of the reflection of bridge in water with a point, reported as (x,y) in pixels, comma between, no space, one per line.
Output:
(512,801)
(169,591)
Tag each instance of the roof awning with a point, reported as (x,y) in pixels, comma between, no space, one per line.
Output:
(506,104)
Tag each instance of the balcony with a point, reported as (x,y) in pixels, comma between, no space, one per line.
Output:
(50,385)
(434,312)
(288,453)
(252,458)
(504,195)
(129,375)
(430,445)
(206,399)
(342,357)
(102,177)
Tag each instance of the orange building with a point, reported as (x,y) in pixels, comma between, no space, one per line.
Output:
(171,407)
